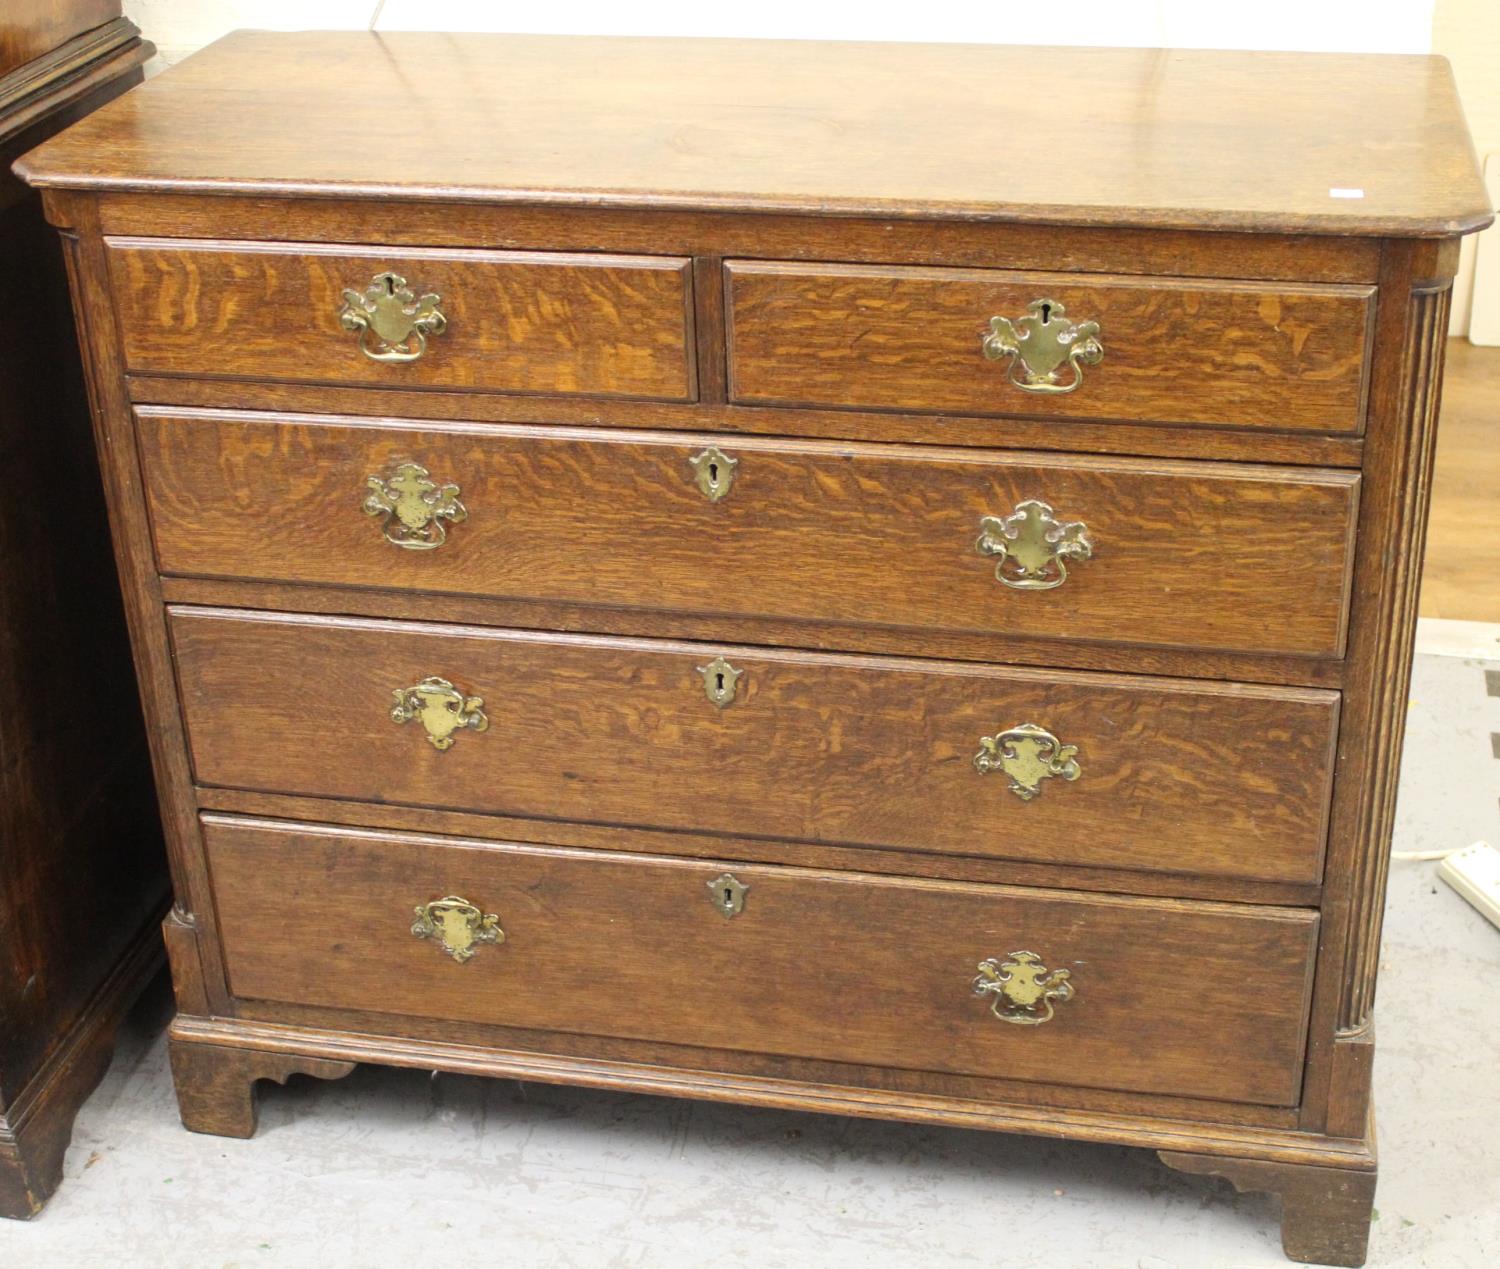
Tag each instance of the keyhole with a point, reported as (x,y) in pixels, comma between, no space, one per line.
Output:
(390,285)
(727,894)
(1046,313)
(713,474)
(719,683)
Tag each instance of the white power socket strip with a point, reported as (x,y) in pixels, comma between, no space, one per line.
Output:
(1474,872)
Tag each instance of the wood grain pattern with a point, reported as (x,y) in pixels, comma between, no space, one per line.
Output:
(558,1050)
(140,586)
(179,932)
(82,875)
(216,1085)
(1075,436)
(1251,559)
(1175,351)
(1427,324)
(36,1121)
(1225,986)
(30,29)
(1193,183)
(708,326)
(1397,466)
(1374,694)
(1351,1082)
(1287,671)
(1158,138)
(763,236)
(697,844)
(48,94)
(517,322)
(75,817)
(1227,1137)
(1179,777)
(1325,1212)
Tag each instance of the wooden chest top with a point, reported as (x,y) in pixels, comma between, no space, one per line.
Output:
(1263,142)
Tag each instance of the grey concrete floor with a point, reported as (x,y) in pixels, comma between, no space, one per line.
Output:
(402,1168)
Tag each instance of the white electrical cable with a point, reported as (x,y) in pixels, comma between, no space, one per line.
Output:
(1426,856)
(375,17)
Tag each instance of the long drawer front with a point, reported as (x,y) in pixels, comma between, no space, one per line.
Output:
(1175,554)
(1192,999)
(1160,775)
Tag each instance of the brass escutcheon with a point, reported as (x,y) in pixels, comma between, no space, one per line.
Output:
(441,708)
(720,681)
(392,320)
(728,894)
(1021,988)
(415,507)
(1040,344)
(713,472)
(457,924)
(1032,546)
(1027,754)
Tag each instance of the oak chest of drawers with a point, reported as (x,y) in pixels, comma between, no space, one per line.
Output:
(802,574)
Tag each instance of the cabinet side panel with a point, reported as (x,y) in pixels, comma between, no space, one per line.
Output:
(77,217)
(1411,326)
(1427,325)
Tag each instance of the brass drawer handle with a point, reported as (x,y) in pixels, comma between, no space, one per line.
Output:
(1031,545)
(1027,754)
(1021,988)
(1040,344)
(441,708)
(414,506)
(457,924)
(393,321)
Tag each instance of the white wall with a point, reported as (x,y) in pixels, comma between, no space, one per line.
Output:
(1467,33)
(1386,26)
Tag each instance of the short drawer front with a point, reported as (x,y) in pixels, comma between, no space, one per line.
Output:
(1150,774)
(615,326)
(1256,355)
(1191,555)
(1192,999)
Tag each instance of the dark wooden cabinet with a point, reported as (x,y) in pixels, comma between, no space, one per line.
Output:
(82,869)
(864,578)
